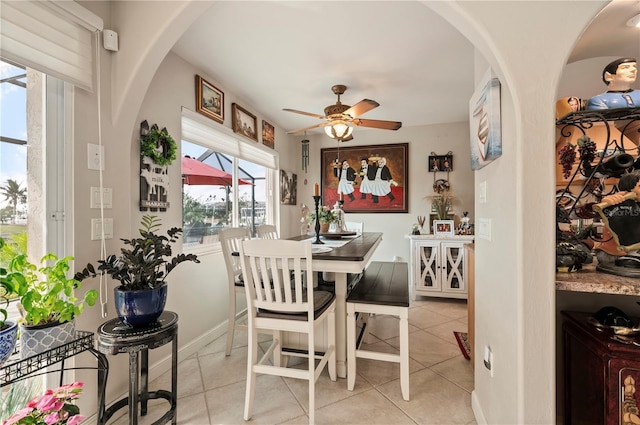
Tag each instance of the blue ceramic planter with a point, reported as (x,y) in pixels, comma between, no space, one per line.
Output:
(140,308)
(8,341)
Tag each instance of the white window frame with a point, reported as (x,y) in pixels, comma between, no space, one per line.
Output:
(204,132)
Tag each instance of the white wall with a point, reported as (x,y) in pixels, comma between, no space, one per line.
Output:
(527,43)
(422,141)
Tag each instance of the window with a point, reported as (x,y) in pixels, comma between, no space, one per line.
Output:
(226,182)
(213,200)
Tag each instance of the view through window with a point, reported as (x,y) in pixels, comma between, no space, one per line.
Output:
(212,200)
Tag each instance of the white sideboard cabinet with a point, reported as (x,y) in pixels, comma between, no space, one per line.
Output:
(438,266)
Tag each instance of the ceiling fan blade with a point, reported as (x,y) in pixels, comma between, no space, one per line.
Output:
(384,125)
(307,128)
(361,107)
(310,114)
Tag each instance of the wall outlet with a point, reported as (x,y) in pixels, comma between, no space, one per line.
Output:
(488,359)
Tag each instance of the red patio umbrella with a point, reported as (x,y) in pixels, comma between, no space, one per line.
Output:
(195,172)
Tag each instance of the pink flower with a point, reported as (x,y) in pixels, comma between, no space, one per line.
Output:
(17,416)
(74,420)
(52,418)
(54,407)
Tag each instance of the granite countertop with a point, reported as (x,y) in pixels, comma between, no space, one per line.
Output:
(590,280)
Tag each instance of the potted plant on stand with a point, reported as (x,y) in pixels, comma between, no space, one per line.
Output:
(48,304)
(141,270)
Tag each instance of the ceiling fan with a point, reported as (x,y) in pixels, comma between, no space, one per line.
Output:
(340,118)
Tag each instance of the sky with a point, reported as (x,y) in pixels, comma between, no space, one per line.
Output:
(13,123)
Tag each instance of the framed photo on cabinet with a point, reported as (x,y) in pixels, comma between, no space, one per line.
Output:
(443,227)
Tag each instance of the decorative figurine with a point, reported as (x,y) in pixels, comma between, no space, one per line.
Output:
(619,77)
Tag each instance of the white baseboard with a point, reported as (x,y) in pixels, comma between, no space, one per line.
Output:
(477,410)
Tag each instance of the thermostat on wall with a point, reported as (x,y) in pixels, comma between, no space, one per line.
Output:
(110,40)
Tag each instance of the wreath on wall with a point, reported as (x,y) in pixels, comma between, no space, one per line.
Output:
(159,146)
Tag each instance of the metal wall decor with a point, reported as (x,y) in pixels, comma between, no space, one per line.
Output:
(154,179)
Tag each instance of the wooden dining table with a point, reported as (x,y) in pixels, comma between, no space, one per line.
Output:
(350,258)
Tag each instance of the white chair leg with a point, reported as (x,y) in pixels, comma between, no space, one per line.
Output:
(351,346)
(252,359)
(277,350)
(312,379)
(231,322)
(404,354)
(331,326)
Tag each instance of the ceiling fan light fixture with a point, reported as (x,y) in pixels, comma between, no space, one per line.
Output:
(634,22)
(338,129)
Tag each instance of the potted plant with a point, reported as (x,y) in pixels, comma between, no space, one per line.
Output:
(325,216)
(47,304)
(8,328)
(141,268)
(54,407)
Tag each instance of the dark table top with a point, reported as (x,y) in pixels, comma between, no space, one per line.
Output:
(355,250)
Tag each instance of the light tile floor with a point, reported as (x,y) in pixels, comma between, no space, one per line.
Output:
(211,387)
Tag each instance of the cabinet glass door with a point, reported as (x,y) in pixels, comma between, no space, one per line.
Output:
(428,260)
(453,267)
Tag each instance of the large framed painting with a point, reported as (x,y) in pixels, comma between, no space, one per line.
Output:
(371,179)
(484,122)
(209,100)
(244,122)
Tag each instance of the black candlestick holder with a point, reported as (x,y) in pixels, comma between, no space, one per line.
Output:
(316,199)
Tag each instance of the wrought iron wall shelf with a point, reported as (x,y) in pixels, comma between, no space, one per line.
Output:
(16,369)
(626,120)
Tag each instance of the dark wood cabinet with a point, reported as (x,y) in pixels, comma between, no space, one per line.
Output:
(601,374)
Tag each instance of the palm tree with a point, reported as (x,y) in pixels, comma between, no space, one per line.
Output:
(14,194)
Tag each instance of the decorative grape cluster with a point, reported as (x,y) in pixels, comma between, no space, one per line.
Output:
(567,157)
(586,149)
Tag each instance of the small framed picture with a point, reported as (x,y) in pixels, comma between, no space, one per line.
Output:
(441,163)
(268,134)
(209,100)
(443,227)
(244,122)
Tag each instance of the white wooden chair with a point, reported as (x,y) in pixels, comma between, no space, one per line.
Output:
(283,305)
(354,226)
(267,231)
(230,240)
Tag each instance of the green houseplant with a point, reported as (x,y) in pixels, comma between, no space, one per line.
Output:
(141,268)
(47,300)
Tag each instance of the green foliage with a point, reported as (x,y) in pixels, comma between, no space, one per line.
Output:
(325,213)
(144,265)
(46,294)
(159,146)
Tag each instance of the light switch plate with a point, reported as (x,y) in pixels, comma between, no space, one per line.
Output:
(484,228)
(106,199)
(96,232)
(482,192)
